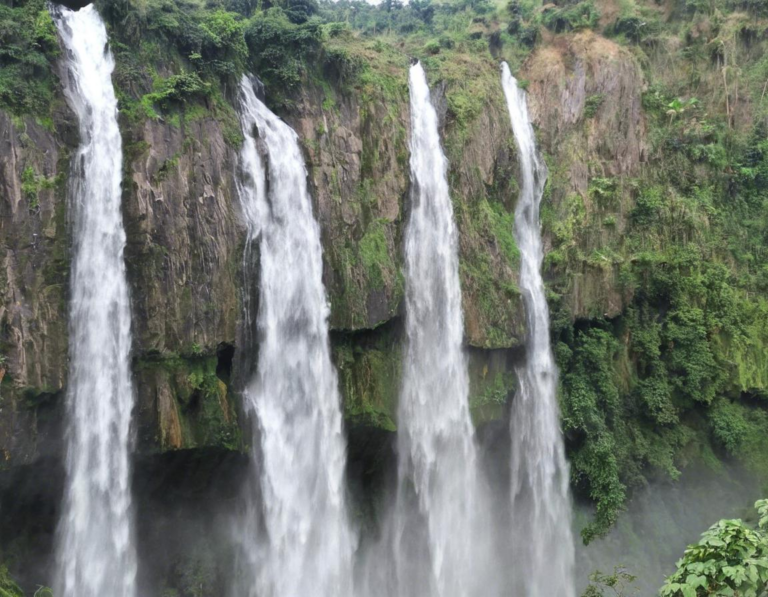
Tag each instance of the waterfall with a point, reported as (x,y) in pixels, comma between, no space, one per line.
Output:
(95,547)
(541,507)
(439,504)
(306,543)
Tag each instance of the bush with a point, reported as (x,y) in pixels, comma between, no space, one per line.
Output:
(222,44)
(635,28)
(8,588)
(278,47)
(299,11)
(342,65)
(213,40)
(592,105)
(583,15)
(177,89)
(28,43)
(337,30)
(619,583)
(432,47)
(730,559)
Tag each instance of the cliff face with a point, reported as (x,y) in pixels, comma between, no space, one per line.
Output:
(33,225)
(586,99)
(652,223)
(185,257)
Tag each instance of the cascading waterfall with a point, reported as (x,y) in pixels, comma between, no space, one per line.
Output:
(95,547)
(438,474)
(541,510)
(293,399)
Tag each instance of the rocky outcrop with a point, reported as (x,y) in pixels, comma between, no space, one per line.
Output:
(586,100)
(357,160)
(185,238)
(184,257)
(34,248)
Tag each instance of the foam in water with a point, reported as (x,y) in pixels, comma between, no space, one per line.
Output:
(95,547)
(298,542)
(541,510)
(437,522)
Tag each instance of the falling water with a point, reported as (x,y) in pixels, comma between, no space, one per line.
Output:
(540,501)
(95,551)
(438,476)
(293,398)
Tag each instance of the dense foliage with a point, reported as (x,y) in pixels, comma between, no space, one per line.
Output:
(680,373)
(8,588)
(27,44)
(730,559)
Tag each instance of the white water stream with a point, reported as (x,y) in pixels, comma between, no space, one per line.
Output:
(302,544)
(95,551)
(438,529)
(541,508)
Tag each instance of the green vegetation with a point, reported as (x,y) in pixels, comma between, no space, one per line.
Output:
(369,369)
(27,45)
(730,559)
(8,588)
(592,105)
(617,584)
(666,362)
(202,412)
(281,47)
(32,184)
(571,17)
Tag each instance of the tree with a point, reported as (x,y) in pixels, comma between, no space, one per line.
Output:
(730,559)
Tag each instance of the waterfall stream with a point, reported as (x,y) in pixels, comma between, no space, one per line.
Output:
(541,510)
(95,547)
(439,502)
(305,545)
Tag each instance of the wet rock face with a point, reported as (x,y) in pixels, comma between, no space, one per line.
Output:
(34,248)
(184,236)
(184,257)
(357,160)
(586,100)
(482,175)
(589,77)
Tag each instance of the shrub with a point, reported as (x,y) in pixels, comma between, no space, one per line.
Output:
(730,559)
(583,15)
(342,65)
(8,588)
(432,47)
(278,47)
(299,11)
(635,28)
(222,44)
(27,44)
(592,105)
(177,89)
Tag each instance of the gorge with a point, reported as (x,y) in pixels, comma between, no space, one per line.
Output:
(294,383)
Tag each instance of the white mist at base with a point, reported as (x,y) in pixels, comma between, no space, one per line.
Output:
(297,542)
(541,508)
(95,550)
(437,534)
